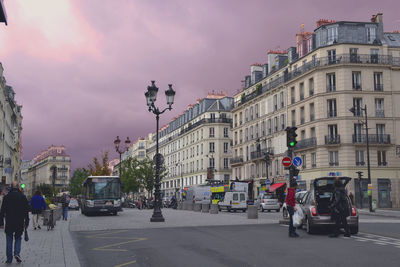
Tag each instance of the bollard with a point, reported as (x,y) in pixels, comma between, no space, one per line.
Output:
(214,209)
(205,208)
(252,212)
(197,207)
(190,206)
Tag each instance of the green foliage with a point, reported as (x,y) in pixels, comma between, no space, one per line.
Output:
(259,88)
(46,189)
(130,175)
(77,179)
(100,169)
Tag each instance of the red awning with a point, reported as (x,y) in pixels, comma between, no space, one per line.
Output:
(276,186)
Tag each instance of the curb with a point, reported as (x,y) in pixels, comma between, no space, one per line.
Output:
(378,214)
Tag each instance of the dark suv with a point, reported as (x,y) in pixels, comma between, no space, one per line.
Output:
(315,205)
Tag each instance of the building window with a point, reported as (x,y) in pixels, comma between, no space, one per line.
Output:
(330,82)
(331,56)
(311,87)
(357,104)
(212,148)
(332,134)
(380,133)
(312,112)
(212,163)
(226,163)
(379,107)
(212,132)
(226,132)
(275,102)
(292,95)
(371,34)
(381,158)
(302,119)
(283,122)
(374,55)
(269,126)
(313,160)
(301,91)
(282,99)
(226,147)
(332,108)
(332,34)
(378,82)
(360,158)
(293,118)
(304,159)
(246,133)
(356,78)
(333,158)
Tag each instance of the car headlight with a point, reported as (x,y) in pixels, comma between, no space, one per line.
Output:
(90,203)
(117,203)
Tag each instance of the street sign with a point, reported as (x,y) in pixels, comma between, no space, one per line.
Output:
(267,182)
(297,161)
(286,162)
(370,187)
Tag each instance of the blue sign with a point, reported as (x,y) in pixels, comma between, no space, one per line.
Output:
(267,182)
(297,161)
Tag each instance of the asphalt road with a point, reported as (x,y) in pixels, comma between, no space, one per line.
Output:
(242,245)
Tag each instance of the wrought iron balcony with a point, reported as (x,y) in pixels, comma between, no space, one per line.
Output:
(360,163)
(380,113)
(372,138)
(357,87)
(236,160)
(331,88)
(306,143)
(332,139)
(261,153)
(332,113)
(378,87)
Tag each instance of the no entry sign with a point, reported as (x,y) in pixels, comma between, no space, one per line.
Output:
(286,162)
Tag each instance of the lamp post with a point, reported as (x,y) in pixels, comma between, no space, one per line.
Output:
(151,96)
(117,142)
(354,111)
(53,181)
(181,182)
(360,187)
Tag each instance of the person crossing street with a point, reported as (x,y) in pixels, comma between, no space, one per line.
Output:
(291,207)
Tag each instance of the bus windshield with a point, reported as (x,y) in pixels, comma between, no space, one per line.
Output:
(104,188)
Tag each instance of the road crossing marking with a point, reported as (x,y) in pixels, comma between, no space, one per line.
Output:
(377,239)
(126,263)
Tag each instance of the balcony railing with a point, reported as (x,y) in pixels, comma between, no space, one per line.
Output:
(236,160)
(302,120)
(378,87)
(331,88)
(372,138)
(261,153)
(319,62)
(332,113)
(312,117)
(306,143)
(333,163)
(357,87)
(360,163)
(380,113)
(332,139)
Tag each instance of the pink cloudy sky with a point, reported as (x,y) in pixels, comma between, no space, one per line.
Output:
(80,68)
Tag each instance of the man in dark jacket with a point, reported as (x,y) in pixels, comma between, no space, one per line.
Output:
(38,205)
(340,209)
(16,210)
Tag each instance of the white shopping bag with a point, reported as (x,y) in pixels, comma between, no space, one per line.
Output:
(298,217)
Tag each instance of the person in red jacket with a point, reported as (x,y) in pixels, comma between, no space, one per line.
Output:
(290,205)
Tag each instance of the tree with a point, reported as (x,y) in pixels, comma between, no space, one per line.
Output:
(46,189)
(77,179)
(130,175)
(148,174)
(97,169)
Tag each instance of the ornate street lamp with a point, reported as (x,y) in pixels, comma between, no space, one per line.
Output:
(151,96)
(117,142)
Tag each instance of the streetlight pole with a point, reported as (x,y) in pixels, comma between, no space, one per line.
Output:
(151,96)
(353,110)
(117,142)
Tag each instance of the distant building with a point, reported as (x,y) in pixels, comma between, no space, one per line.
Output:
(3,14)
(40,171)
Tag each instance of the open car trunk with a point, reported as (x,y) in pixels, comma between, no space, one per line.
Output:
(323,190)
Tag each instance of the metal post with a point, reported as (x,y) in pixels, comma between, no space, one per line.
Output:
(360,188)
(368,161)
(157,215)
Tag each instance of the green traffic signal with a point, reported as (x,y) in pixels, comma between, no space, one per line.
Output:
(291,143)
(22,186)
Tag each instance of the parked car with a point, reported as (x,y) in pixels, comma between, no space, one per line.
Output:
(73,204)
(268,201)
(315,205)
(233,201)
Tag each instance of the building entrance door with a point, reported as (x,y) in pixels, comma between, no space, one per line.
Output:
(363,195)
(384,194)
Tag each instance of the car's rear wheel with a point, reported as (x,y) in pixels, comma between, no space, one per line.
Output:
(354,230)
(309,229)
(244,210)
(269,210)
(277,210)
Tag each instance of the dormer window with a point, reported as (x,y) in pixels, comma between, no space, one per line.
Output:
(371,34)
(332,34)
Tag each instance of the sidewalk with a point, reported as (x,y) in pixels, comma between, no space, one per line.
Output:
(45,248)
(381,212)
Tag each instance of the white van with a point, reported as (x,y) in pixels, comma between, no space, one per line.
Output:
(233,201)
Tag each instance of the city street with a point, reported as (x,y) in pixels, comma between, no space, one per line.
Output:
(227,239)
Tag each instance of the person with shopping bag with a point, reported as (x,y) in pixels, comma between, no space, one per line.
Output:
(291,207)
(38,205)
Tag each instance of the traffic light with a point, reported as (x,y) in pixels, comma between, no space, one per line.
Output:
(291,136)
(22,186)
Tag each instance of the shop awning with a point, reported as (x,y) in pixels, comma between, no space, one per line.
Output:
(275,186)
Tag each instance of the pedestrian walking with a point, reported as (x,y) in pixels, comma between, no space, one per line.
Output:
(38,205)
(340,209)
(291,207)
(65,203)
(15,208)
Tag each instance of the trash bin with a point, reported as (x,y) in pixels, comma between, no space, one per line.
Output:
(373,204)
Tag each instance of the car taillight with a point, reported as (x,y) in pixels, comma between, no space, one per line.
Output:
(313,211)
(263,200)
(353,211)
